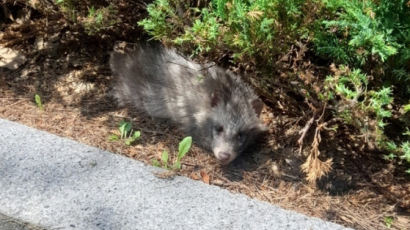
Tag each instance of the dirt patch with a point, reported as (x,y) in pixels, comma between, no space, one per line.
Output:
(69,70)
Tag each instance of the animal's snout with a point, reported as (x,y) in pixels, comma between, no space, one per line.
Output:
(224,157)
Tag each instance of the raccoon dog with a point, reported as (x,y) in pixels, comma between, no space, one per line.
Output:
(207,102)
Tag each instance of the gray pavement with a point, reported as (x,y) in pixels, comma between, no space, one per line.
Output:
(58,183)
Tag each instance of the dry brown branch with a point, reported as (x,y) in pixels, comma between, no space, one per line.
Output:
(314,167)
(303,133)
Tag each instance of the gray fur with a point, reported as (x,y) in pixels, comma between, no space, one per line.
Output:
(200,99)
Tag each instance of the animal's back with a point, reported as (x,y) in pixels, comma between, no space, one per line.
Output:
(157,81)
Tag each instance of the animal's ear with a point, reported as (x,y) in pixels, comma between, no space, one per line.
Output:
(257,106)
(215,98)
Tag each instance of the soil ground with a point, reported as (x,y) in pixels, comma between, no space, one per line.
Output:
(69,70)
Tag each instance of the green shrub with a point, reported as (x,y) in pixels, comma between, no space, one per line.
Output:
(68,8)
(250,29)
(91,17)
(99,19)
(366,110)
(373,35)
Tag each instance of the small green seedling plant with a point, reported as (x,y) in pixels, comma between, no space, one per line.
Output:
(388,220)
(39,104)
(126,133)
(183,148)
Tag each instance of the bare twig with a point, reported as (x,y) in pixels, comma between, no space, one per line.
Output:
(303,133)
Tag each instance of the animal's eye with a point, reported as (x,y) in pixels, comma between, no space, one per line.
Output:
(240,137)
(219,129)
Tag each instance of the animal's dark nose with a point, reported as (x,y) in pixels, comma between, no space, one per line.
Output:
(223,156)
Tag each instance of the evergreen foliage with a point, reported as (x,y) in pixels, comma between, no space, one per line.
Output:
(372,37)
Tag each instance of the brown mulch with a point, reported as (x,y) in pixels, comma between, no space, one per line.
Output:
(69,70)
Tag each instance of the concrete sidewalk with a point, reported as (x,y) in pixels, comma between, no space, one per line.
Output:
(58,183)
